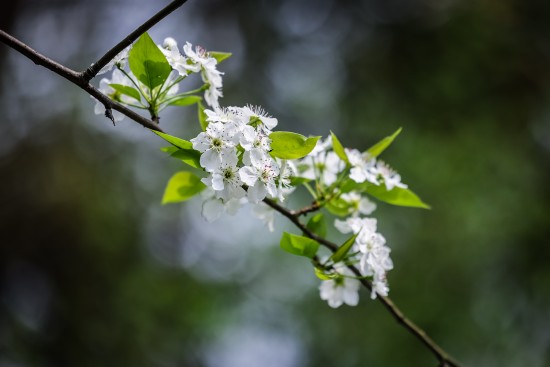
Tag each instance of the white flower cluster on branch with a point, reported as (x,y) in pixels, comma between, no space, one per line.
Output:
(244,161)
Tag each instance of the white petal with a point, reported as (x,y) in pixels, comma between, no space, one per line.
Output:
(257,192)
(210,160)
(248,175)
(212,209)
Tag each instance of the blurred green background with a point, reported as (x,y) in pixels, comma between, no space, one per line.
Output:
(95,272)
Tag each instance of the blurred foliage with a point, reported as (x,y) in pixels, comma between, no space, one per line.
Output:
(82,282)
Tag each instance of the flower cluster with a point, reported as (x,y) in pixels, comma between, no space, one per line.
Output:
(369,249)
(235,153)
(243,161)
(126,88)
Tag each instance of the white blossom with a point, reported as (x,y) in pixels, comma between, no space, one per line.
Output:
(358,204)
(388,176)
(258,118)
(201,61)
(176,60)
(341,289)
(363,167)
(259,175)
(217,139)
(224,177)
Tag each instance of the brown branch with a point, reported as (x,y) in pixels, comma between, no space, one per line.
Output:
(75,78)
(307,209)
(92,71)
(443,357)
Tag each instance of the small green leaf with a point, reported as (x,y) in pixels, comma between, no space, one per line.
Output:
(182,186)
(338,207)
(220,56)
(287,145)
(318,225)
(338,148)
(185,101)
(343,250)
(397,196)
(126,90)
(148,63)
(379,147)
(299,245)
(202,116)
(180,143)
(191,157)
(350,185)
(321,274)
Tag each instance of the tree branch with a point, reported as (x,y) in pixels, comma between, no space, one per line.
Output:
(443,357)
(75,78)
(92,71)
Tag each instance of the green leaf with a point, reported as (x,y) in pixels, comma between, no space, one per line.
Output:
(185,101)
(220,56)
(343,250)
(338,148)
(321,274)
(202,116)
(126,90)
(350,185)
(189,156)
(287,145)
(379,147)
(180,143)
(397,196)
(338,207)
(318,225)
(148,63)
(182,186)
(299,245)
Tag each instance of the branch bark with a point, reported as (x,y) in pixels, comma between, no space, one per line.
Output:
(443,357)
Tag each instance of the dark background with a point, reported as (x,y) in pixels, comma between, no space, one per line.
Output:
(95,272)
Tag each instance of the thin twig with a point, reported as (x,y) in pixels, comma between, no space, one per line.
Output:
(92,71)
(307,209)
(443,357)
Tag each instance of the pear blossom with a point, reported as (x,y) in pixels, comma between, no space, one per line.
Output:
(259,175)
(201,61)
(176,60)
(287,170)
(358,204)
(224,177)
(218,139)
(252,140)
(363,167)
(322,164)
(341,289)
(388,176)
(258,118)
